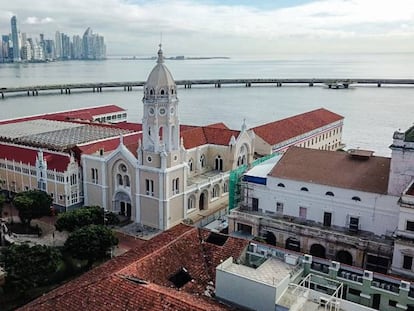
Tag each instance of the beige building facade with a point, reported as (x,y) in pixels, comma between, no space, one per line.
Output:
(176,172)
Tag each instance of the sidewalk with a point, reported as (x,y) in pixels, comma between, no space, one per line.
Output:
(51,237)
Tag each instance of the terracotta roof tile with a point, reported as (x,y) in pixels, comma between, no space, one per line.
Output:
(130,141)
(110,287)
(369,174)
(279,131)
(83,114)
(219,125)
(27,155)
(207,135)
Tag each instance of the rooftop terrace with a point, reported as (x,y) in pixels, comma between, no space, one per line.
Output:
(55,135)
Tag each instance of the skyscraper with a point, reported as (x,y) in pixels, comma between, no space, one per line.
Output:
(58,45)
(93,45)
(15,40)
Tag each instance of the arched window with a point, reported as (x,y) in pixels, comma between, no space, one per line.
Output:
(242,158)
(190,165)
(330,193)
(304,189)
(120,181)
(162,92)
(226,187)
(126,181)
(73,178)
(161,133)
(281,185)
(172,91)
(218,163)
(175,185)
(191,202)
(216,191)
(151,92)
(203,160)
(356,198)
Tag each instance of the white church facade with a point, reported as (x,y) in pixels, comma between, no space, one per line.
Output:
(172,176)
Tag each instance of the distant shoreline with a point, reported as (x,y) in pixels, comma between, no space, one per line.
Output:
(174,58)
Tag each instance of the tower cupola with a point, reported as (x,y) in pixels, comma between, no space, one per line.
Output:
(161,128)
(160,81)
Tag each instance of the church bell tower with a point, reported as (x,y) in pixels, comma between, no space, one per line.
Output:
(161,128)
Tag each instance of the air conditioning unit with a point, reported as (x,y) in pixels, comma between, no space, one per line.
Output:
(335,265)
(405,285)
(307,258)
(368,275)
(253,247)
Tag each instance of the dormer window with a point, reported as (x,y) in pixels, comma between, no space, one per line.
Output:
(304,189)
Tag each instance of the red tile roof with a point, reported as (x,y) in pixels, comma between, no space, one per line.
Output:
(130,141)
(81,114)
(27,155)
(207,135)
(334,168)
(136,127)
(114,285)
(279,131)
(220,125)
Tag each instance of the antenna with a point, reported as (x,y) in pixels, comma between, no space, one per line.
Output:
(160,39)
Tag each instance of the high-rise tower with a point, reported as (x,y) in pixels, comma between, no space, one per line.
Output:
(15,40)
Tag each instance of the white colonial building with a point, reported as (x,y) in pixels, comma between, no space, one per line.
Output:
(317,129)
(328,204)
(402,181)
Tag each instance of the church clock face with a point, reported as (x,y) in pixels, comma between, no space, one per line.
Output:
(151,111)
(162,111)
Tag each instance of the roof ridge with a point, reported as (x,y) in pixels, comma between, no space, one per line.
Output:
(157,251)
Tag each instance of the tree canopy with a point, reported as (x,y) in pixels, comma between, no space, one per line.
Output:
(29,267)
(84,216)
(90,243)
(32,204)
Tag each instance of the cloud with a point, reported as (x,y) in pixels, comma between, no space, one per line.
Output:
(190,26)
(33,20)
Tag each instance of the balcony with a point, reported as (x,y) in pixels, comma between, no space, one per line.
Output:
(304,227)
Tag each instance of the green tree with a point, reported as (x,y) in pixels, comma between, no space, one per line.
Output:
(29,267)
(90,243)
(84,216)
(32,204)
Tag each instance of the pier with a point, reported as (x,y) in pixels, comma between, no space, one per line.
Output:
(99,87)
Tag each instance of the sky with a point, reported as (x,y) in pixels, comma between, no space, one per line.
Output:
(224,28)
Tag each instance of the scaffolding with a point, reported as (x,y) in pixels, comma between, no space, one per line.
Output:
(235,181)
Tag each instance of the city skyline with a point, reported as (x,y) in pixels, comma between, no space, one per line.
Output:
(306,26)
(18,46)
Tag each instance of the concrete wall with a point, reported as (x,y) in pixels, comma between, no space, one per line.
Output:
(242,291)
(377,213)
(402,164)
